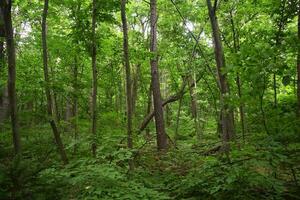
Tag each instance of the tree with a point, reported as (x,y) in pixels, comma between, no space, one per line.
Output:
(162,141)
(128,74)
(298,62)
(52,122)
(227,116)
(94,69)
(11,60)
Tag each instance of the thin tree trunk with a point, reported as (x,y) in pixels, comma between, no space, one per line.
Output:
(135,83)
(236,45)
(2,62)
(227,117)
(261,99)
(128,78)
(149,108)
(11,56)
(94,68)
(298,62)
(128,73)
(194,107)
(177,120)
(52,122)
(162,140)
(75,102)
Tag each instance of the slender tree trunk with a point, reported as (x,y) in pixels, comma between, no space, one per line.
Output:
(162,140)
(128,78)
(128,74)
(263,114)
(236,44)
(2,62)
(177,120)
(52,122)
(11,56)
(149,109)
(135,83)
(227,116)
(75,103)
(194,107)
(298,62)
(94,69)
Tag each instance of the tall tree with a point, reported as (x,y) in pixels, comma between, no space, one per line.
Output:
(11,60)
(94,69)
(162,141)
(298,61)
(236,49)
(52,122)
(128,74)
(2,38)
(128,77)
(227,116)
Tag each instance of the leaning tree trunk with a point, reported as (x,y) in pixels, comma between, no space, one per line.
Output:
(11,56)
(94,69)
(161,136)
(128,78)
(227,117)
(52,122)
(162,140)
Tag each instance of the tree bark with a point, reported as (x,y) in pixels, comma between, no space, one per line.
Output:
(236,44)
(94,69)
(194,107)
(52,122)
(162,140)
(177,120)
(128,74)
(298,62)
(3,107)
(11,56)
(149,109)
(75,102)
(135,82)
(227,117)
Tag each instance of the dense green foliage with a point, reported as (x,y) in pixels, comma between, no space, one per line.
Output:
(260,42)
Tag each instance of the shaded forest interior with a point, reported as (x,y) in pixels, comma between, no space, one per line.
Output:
(149,99)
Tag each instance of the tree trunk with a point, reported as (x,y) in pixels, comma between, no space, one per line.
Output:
(75,102)
(149,109)
(194,109)
(128,78)
(227,117)
(236,44)
(162,140)
(177,120)
(298,62)
(11,56)
(52,122)
(135,82)
(128,74)
(3,90)
(94,69)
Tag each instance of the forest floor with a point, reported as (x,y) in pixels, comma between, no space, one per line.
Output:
(262,168)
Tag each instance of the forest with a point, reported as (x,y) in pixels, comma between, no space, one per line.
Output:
(149,99)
